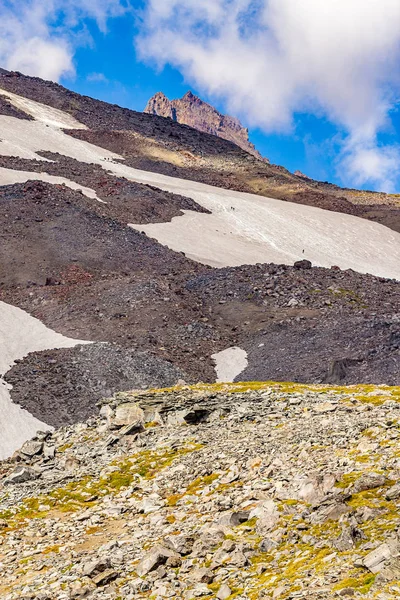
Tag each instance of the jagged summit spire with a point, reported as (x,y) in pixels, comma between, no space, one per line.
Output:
(193,111)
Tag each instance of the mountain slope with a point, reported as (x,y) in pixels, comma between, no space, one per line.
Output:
(259,492)
(161,145)
(79,254)
(191,110)
(253,229)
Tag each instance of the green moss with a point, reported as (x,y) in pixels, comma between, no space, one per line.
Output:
(361,583)
(193,488)
(64,447)
(76,494)
(51,549)
(348,479)
(363,458)
(200,483)
(290,502)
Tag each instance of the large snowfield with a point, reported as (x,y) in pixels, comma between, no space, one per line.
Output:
(242,229)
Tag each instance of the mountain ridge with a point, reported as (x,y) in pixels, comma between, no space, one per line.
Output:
(193,111)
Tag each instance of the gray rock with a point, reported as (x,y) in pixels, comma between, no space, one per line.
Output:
(202,575)
(368,481)
(128,413)
(156,557)
(267,545)
(31,448)
(232,519)
(393,493)
(22,474)
(375,560)
(49,451)
(224,592)
(105,577)
(95,567)
(182,544)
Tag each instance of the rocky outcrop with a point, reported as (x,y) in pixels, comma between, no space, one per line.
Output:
(279,491)
(191,110)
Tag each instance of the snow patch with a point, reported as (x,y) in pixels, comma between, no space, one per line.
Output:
(26,138)
(43,113)
(229,363)
(20,333)
(242,229)
(9,177)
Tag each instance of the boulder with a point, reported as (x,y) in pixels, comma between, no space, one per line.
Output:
(31,448)
(22,474)
(368,481)
(156,557)
(95,567)
(393,493)
(105,577)
(202,575)
(303,264)
(232,519)
(224,592)
(182,544)
(128,413)
(375,561)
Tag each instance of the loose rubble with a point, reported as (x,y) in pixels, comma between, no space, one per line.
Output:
(245,490)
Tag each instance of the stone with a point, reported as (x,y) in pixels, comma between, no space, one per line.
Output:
(49,451)
(128,413)
(238,559)
(348,538)
(105,577)
(202,575)
(31,448)
(95,567)
(267,545)
(22,474)
(303,264)
(233,519)
(157,556)
(267,515)
(196,415)
(182,544)
(393,493)
(375,561)
(325,407)
(231,476)
(368,481)
(224,592)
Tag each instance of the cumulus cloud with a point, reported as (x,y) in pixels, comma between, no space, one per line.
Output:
(270,59)
(38,37)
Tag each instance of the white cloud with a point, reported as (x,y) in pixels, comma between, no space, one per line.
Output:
(38,37)
(268,59)
(97,78)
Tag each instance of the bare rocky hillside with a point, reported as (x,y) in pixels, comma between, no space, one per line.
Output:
(153,315)
(246,491)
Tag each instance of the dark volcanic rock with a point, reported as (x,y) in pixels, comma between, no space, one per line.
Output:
(62,387)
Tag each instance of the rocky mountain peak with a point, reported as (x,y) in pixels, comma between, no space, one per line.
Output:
(193,111)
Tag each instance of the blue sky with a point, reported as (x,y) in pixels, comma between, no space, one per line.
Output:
(317,85)
(130,82)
